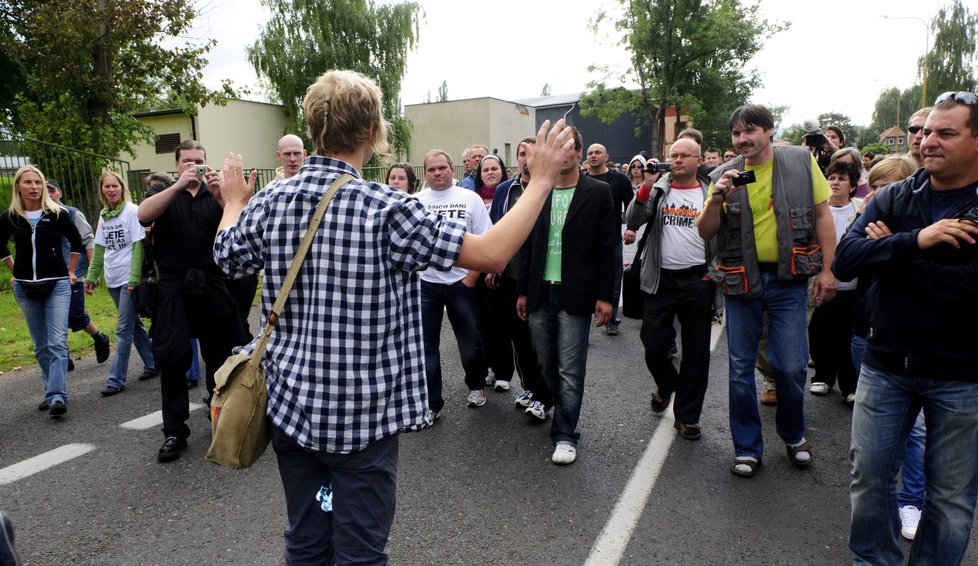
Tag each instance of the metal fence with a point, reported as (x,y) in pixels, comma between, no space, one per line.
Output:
(77,172)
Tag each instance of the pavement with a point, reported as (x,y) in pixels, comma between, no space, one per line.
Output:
(478,488)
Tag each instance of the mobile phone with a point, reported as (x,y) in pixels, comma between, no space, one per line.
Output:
(744,178)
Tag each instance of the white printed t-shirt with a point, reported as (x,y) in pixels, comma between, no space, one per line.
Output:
(117,236)
(682,246)
(456,203)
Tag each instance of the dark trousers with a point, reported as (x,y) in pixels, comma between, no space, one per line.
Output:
(687,295)
(498,351)
(364,493)
(830,342)
(243,292)
(459,301)
(77,317)
(212,318)
(515,333)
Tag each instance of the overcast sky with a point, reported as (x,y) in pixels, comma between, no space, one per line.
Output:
(836,56)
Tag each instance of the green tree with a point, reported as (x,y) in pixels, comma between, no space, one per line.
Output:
(950,63)
(877,148)
(443,92)
(80,69)
(827,119)
(688,54)
(894,107)
(792,134)
(305,38)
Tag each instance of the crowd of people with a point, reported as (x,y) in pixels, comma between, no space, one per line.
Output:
(804,251)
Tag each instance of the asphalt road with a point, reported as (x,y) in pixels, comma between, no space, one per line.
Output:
(477,488)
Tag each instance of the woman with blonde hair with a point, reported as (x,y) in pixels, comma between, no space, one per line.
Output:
(42,281)
(119,254)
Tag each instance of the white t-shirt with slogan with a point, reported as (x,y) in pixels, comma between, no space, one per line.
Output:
(460,204)
(117,236)
(682,246)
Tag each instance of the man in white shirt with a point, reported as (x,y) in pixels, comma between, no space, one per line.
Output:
(454,289)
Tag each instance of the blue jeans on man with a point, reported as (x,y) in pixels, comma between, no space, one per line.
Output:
(47,322)
(129,330)
(785,303)
(615,321)
(560,340)
(886,408)
(463,313)
(912,477)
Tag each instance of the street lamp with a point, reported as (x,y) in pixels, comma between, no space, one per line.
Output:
(923,95)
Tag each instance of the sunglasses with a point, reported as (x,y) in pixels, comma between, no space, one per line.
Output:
(962,97)
(914,129)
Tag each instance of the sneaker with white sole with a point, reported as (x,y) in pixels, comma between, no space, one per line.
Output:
(909,519)
(501,386)
(524,399)
(819,388)
(537,410)
(477,398)
(490,377)
(564,453)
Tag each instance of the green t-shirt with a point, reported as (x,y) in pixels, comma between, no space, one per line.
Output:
(759,194)
(560,200)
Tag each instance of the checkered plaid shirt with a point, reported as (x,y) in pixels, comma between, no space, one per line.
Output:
(345,363)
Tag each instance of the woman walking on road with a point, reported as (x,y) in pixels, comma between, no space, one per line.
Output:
(119,254)
(42,281)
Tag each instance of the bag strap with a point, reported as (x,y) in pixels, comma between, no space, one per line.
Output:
(300,256)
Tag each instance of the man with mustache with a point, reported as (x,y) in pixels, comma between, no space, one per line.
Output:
(773,234)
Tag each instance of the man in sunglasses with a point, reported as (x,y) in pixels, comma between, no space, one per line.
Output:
(917,241)
(915,134)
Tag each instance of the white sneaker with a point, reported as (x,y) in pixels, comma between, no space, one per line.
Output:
(490,378)
(524,399)
(851,399)
(819,388)
(909,519)
(564,454)
(477,398)
(536,409)
(501,386)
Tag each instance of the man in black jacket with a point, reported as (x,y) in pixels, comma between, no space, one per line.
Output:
(916,240)
(567,272)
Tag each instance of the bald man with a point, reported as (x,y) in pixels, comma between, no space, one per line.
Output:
(290,154)
(621,196)
(675,261)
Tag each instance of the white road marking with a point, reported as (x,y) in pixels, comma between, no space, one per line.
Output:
(152,420)
(614,537)
(42,462)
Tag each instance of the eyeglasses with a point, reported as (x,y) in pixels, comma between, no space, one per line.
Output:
(728,155)
(636,165)
(914,129)
(675,156)
(961,96)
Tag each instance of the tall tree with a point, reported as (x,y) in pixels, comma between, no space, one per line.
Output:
(950,63)
(443,92)
(305,38)
(839,119)
(685,54)
(82,68)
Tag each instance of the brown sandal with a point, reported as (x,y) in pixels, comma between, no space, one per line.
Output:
(793,454)
(752,464)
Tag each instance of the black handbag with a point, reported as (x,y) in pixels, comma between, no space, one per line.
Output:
(631,291)
(145,297)
(38,290)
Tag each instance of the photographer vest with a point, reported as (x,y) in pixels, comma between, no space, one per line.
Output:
(737,271)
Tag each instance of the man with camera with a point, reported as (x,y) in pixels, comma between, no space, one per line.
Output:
(774,231)
(916,239)
(674,283)
(193,299)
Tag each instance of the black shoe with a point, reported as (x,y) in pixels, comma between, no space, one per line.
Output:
(149,374)
(71,365)
(689,431)
(101,347)
(110,391)
(57,409)
(191,383)
(43,406)
(660,403)
(171,449)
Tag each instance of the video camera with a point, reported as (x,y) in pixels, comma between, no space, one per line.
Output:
(653,167)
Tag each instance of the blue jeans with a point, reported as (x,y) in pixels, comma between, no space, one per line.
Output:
(560,340)
(886,409)
(912,474)
(193,374)
(858,350)
(785,303)
(47,322)
(463,313)
(128,330)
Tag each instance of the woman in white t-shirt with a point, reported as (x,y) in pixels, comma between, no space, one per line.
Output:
(119,254)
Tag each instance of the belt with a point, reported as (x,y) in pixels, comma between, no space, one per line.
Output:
(554,283)
(695,271)
(768,267)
